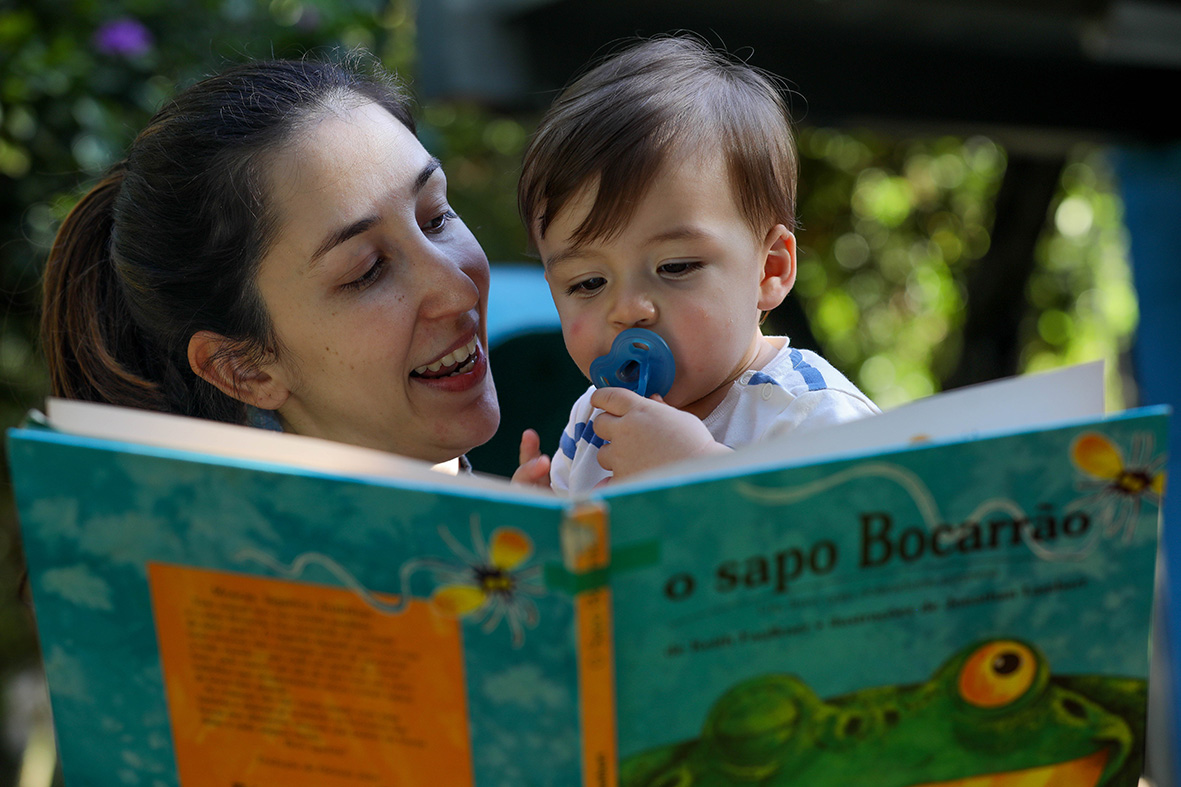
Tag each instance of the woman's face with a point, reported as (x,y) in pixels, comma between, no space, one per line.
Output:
(377,292)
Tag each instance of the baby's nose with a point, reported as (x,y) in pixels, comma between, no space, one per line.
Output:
(633,308)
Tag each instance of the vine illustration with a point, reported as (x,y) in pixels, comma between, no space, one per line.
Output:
(489,584)
(1114,487)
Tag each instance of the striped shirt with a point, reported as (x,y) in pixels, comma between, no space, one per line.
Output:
(795,391)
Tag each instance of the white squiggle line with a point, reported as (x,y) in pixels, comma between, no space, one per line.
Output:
(297,567)
(1018,514)
(478,542)
(904,478)
(996,504)
(460,551)
(923,499)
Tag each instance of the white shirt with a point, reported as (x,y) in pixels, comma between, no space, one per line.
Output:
(796,390)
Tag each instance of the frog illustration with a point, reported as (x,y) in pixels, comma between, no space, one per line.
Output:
(990,716)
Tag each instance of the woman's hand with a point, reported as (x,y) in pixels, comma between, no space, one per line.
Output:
(534,468)
(646,433)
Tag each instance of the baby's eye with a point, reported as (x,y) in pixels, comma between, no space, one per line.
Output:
(436,225)
(679,268)
(586,286)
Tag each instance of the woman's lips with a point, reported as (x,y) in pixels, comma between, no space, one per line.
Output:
(466,370)
(457,361)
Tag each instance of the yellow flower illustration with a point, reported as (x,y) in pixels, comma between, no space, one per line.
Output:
(493,584)
(1117,488)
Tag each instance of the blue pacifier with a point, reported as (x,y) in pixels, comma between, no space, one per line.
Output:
(639,361)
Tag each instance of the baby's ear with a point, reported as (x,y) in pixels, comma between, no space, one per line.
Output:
(221,363)
(779,267)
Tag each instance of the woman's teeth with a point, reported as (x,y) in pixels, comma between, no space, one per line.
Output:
(452,363)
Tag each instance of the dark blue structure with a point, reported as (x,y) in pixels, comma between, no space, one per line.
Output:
(1150,179)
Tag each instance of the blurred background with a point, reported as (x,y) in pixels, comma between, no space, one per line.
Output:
(983,183)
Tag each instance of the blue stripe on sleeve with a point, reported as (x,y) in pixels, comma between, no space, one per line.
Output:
(584,431)
(589,435)
(568,445)
(811,374)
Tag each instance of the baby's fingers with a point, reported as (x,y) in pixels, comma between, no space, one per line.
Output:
(617,401)
(534,469)
(530,446)
(606,426)
(535,472)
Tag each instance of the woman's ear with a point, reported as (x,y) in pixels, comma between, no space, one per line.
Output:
(779,267)
(219,362)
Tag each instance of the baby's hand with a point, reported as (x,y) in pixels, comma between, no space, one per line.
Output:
(534,469)
(646,433)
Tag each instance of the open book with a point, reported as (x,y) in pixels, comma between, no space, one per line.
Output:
(957,588)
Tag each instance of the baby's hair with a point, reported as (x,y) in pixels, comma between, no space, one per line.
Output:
(169,242)
(618,123)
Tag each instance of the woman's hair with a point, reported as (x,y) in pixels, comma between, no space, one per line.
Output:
(170,240)
(674,95)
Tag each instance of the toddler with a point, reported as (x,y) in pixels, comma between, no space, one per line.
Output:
(659,191)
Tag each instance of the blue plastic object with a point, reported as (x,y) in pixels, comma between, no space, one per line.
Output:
(639,361)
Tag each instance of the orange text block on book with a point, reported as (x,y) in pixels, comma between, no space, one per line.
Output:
(276,682)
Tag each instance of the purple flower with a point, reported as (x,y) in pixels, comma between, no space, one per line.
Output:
(124,36)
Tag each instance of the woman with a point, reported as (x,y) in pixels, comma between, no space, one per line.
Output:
(278,243)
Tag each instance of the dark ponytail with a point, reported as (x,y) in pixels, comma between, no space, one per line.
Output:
(86,326)
(169,242)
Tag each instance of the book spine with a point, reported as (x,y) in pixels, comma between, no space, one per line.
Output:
(586,548)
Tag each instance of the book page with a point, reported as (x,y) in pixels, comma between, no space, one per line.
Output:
(126,424)
(251,444)
(276,682)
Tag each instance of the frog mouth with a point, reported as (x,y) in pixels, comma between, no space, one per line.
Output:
(1082,772)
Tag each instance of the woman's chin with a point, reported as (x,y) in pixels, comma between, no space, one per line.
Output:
(472,426)
(487,420)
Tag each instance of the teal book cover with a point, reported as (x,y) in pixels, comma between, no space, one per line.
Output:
(209,623)
(969,613)
(958,611)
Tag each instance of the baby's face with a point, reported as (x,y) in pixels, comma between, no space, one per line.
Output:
(686,266)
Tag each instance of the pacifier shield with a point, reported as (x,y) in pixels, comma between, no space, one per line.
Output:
(639,361)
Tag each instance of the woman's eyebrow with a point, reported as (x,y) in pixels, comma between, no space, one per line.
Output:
(357,227)
(340,236)
(430,168)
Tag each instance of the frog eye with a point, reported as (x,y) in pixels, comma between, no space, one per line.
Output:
(998,673)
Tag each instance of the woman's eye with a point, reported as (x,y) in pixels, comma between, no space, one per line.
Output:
(436,225)
(371,274)
(586,286)
(679,268)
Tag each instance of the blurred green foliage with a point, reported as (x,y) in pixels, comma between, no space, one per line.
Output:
(889,228)
(1082,303)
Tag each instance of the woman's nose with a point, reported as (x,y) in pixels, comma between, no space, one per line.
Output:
(452,280)
(632,307)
